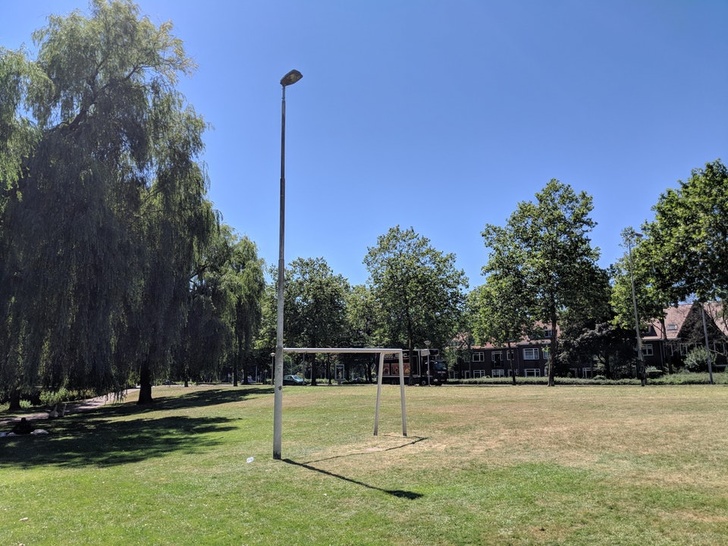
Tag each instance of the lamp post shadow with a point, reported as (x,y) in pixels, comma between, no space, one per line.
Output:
(411,495)
(399,493)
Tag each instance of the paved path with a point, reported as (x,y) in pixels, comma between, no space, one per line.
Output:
(71,407)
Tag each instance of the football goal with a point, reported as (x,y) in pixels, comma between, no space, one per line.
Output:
(364,350)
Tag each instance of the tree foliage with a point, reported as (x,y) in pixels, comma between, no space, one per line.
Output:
(688,239)
(418,290)
(362,310)
(499,310)
(246,284)
(315,306)
(224,308)
(361,317)
(104,210)
(544,251)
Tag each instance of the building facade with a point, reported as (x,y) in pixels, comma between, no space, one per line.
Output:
(665,344)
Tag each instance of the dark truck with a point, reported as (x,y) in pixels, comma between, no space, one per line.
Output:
(427,368)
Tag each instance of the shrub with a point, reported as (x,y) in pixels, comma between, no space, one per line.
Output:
(697,360)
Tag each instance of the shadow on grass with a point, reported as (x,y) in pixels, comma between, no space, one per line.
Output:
(411,495)
(104,442)
(400,493)
(123,433)
(203,398)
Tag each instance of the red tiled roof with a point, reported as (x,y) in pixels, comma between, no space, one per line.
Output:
(675,318)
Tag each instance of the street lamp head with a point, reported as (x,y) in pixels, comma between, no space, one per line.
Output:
(292,77)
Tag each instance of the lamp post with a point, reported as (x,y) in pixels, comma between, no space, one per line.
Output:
(629,236)
(289,79)
(427,344)
(707,344)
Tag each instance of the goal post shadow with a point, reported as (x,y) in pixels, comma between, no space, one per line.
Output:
(364,350)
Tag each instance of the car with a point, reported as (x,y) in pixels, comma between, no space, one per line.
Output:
(293,380)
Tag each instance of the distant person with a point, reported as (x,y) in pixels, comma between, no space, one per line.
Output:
(23,427)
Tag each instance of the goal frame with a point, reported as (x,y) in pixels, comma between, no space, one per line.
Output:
(363,350)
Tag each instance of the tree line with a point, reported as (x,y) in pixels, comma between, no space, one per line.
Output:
(115,268)
(542,272)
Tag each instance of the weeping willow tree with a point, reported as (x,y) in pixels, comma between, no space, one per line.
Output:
(103,207)
(224,308)
(246,283)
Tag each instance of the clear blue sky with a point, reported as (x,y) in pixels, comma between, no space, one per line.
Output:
(440,115)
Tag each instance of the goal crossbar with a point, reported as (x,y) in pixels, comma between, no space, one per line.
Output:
(367,350)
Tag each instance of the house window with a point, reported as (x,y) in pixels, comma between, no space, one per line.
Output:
(647,349)
(478,373)
(672,327)
(684,349)
(496,357)
(530,353)
(478,357)
(532,372)
(498,373)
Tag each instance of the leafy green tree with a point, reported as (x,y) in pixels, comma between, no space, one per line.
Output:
(361,319)
(608,347)
(499,310)
(689,235)
(684,250)
(589,335)
(687,242)
(266,338)
(207,343)
(420,292)
(246,283)
(315,307)
(496,313)
(549,239)
(104,210)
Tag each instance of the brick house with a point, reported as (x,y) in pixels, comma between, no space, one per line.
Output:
(665,343)
(525,358)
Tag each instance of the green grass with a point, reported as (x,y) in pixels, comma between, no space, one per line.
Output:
(481,465)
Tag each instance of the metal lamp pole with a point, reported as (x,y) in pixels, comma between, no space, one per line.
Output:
(707,344)
(427,344)
(289,79)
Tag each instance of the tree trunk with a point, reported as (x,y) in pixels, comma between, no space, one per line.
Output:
(513,362)
(14,401)
(244,360)
(238,358)
(145,384)
(552,352)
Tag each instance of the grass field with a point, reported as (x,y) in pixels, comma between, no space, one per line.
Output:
(481,465)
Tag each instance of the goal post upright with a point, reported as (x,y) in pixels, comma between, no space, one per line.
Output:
(401,392)
(351,350)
